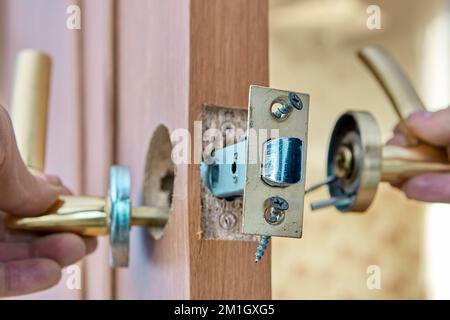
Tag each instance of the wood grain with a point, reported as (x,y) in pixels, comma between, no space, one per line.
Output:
(153,88)
(229,51)
(174,57)
(96,54)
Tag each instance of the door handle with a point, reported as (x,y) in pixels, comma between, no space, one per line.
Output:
(357,159)
(84,215)
(30,105)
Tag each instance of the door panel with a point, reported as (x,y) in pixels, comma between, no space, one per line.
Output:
(153,76)
(174,57)
(133,66)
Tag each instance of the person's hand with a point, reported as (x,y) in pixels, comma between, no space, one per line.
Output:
(29,262)
(432,128)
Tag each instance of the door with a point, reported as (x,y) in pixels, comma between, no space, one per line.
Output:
(134,70)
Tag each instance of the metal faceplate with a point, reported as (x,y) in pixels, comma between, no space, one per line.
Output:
(276,166)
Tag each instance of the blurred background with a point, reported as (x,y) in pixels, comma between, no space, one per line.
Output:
(313,47)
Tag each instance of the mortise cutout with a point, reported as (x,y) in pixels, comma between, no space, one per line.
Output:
(159,175)
(222,219)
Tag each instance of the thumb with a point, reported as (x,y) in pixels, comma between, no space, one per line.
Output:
(431,127)
(33,195)
(22,194)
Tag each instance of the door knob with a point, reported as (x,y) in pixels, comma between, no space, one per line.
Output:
(84,215)
(357,159)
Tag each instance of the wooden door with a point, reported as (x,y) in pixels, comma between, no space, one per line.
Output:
(135,65)
(173,57)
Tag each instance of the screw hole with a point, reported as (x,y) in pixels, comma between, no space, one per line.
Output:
(279,110)
(234,167)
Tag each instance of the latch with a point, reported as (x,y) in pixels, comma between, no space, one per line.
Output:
(357,159)
(88,216)
(267,168)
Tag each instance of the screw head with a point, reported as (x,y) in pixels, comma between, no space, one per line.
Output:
(295,100)
(227,221)
(279,203)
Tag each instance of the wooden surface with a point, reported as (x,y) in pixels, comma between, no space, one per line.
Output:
(165,60)
(232,124)
(96,54)
(152,89)
(229,51)
(174,57)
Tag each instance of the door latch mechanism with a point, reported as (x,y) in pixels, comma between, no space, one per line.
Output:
(267,168)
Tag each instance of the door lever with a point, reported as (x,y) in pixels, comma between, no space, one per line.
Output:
(357,159)
(84,215)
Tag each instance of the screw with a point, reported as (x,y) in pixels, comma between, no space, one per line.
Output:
(227,221)
(278,204)
(262,247)
(294,101)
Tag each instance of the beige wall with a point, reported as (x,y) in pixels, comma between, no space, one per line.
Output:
(312,50)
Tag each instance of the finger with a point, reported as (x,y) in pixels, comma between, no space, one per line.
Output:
(27,276)
(56,182)
(431,127)
(91,244)
(398,140)
(34,197)
(22,193)
(7,235)
(65,249)
(428,187)
(52,179)
(13,236)
(399,129)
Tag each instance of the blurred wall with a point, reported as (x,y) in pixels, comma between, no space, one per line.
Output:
(312,50)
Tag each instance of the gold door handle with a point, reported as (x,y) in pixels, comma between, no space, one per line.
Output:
(396,85)
(87,216)
(358,160)
(402,162)
(30,105)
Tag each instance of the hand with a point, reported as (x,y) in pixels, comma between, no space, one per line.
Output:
(432,128)
(29,262)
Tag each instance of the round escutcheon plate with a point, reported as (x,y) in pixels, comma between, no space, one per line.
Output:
(120,206)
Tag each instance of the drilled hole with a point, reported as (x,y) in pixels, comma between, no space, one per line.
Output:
(278,110)
(159,176)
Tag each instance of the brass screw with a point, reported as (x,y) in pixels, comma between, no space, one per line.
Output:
(294,101)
